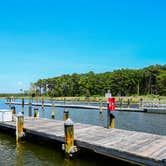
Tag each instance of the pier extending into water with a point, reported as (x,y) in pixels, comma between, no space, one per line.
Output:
(135,147)
(99,107)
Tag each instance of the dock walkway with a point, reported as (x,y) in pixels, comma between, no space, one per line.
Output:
(136,147)
(78,106)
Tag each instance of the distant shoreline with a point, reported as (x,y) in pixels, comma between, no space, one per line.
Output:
(133,99)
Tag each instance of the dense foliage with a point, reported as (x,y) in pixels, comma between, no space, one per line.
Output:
(124,82)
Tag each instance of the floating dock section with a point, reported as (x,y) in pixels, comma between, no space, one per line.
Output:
(136,147)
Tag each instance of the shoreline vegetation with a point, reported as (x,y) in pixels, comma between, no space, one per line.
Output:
(122,82)
(125,99)
(148,84)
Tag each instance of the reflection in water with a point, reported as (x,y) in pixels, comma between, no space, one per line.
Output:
(19,154)
(31,154)
(67,162)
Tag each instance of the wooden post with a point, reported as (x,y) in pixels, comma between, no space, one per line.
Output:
(36,112)
(42,103)
(30,108)
(128,102)
(120,100)
(64,103)
(69,147)
(88,98)
(10,102)
(108,116)
(22,106)
(159,102)
(112,121)
(19,127)
(65,115)
(53,110)
(101,106)
(13,108)
(141,103)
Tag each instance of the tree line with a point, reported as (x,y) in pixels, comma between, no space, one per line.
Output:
(121,82)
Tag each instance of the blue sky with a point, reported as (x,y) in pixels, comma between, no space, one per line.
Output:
(41,39)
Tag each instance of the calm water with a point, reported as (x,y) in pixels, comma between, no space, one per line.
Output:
(31,154)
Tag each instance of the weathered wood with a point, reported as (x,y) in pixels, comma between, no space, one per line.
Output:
(52,109)
(112,121)
(19,127)
(137,147)
(30,108)
(69,136)
(65,115)
(42,103)
(23,103)
(36,112)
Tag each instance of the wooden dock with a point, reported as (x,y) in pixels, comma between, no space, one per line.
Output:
(79,106)
(132,146)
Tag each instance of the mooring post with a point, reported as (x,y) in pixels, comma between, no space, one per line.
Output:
(128,102)
(19,127)
(23,106)
(159,102)
(42,103)
(53,109)
(120,100)
(30,108)
(13,108)
(69,147)
(108,117)
(36,112)
(64,103)
(88,98)
(10,102)
(101,106)
(141,103)
(65,114)
(112,121)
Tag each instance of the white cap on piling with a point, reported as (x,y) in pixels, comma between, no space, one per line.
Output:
(69,122)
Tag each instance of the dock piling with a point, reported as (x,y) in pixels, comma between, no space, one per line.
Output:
(19,127)
(120,102)
(129,103)
(69,147)
(52,109)
(65,115)
(22,106)
(101,106)
(112,121)
(13,108)
(43,104)
(36,112)
(141,103)
(30,108)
